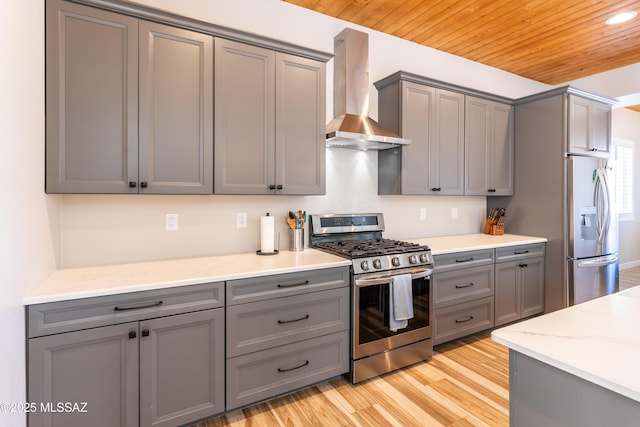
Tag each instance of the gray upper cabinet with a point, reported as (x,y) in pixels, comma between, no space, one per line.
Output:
(433,119)
(269,121)
(129,104)
(489,145)
(176,111)
(91,100)
(589,126)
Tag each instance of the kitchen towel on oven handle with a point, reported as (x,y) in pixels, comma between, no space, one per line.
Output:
(400,302)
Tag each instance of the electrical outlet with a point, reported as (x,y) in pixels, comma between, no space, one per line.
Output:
(423,213)
(241,220)
(454,213)
(171,222)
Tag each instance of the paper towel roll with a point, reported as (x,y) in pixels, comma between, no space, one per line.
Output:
(267,233)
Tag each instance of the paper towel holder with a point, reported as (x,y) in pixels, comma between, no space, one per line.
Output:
(275,251)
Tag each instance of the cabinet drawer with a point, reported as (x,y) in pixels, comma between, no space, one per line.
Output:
(265,324)
(521,251)
(276,286)
(462,319)
(72,315)
(461,285)
(265,374)
(456,260)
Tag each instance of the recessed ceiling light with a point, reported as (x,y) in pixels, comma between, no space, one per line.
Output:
(621,17)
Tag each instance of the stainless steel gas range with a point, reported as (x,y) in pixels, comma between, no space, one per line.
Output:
(380,269)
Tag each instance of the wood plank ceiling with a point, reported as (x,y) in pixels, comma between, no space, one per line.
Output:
(550,41)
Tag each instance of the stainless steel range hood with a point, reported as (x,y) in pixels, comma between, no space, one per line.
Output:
(351,127)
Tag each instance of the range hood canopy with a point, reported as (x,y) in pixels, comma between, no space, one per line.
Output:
(351,127)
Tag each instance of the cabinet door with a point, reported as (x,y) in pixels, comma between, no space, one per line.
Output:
(507,292)
(181,368)
(532,286)
(244,119)
(502,147)
(600,127)
(176,110)
(489,134)
(300,125)
(91,100)
(418,118)
(477,146)
(97,366)
(579,124)
(447,152)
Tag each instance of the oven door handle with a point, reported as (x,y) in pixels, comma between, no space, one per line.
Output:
(386,278)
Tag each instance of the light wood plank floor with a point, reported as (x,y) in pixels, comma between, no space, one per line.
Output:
(466,383)
(629,277)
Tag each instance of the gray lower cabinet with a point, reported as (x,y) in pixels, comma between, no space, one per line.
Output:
(285,332)
(433,119)
(269,121)
(129,104)
(153,358)
(462,294)
(479,289)
(519,283)
(489,145)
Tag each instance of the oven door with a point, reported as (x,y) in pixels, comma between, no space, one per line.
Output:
(371,333)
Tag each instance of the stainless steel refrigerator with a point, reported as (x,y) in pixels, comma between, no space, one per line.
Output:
(592,255)
(557,196)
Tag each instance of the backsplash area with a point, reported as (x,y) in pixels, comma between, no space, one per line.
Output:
(108,229)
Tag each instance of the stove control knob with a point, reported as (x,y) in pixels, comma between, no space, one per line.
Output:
(413,259)
(364,265)
(377,263)
(395,261)
(424,258)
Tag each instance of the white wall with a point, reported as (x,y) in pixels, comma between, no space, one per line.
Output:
(113,229)
(28,219)
(626,125)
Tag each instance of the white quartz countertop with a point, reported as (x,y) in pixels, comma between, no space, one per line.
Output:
(598,341)
(74,283)
(85,282)
(470,242)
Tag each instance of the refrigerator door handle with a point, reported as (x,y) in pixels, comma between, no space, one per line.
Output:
(602,202)
(598,262)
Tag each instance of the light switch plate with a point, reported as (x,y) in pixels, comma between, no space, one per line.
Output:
(241,220)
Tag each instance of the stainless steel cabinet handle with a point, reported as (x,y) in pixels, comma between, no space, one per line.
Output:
(293,369)
(281,322)
(138,307)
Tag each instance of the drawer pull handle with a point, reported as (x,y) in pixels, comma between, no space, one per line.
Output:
(523,265)
(468,285)
(291,285)
(465,320)
(145,332)
(464,260)
(138,307)
(281,322)
(293,369)
(521,252)
(132,335)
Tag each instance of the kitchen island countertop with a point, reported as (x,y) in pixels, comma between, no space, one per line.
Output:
(597,341)
(85,282)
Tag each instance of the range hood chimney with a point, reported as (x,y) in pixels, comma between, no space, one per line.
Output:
(351,127)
